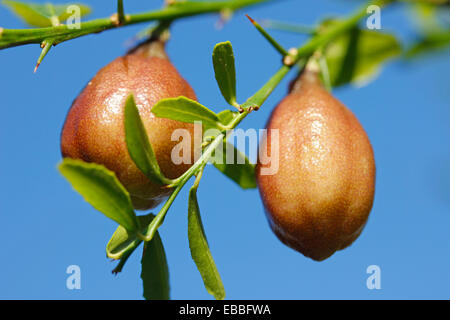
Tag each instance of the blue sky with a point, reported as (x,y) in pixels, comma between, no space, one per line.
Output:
(46,226)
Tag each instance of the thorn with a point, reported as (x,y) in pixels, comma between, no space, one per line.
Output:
(268,37)
(250,18)
(45,45)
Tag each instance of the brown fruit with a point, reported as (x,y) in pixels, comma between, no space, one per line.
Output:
(320,198)
(94,127)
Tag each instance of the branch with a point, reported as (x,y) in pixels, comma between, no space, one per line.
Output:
(17,37)
(255,101)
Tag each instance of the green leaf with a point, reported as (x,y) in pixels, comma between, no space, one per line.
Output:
(239,169)
(427,16)
(200,250)
(429,43)
(357,56)
(139,147)
(186,110)
(224,68)
(226,116)
(101,188)
(44,15)
(155,271)
(122,241)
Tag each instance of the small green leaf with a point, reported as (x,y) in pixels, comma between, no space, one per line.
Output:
(44,15)
(427,16)
(155,271)
(200,250)
(429,43)
(226,116)
(101,188)
(357,56)
(139,147)
(225,71)
(122,241)
(238,168)
(186,110)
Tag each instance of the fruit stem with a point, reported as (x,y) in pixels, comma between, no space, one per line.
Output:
(151,48)
(309,76)
(155,45)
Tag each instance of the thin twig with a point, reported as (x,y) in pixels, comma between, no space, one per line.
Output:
(17,37)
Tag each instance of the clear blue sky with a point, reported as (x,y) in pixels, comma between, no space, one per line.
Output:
(46,226)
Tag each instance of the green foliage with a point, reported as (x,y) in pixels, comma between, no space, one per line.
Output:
(357,55)
(238,168)
(186,110)
(43,15)
(155,271)
(139,147)
(101,188)
(225,71)
(182,9)
(226,116)
(433,26)
(200,250)
(429,17)
(429,43)
(122,241)
(351,55)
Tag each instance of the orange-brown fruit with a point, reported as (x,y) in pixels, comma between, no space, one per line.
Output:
(320,198)
(94,127)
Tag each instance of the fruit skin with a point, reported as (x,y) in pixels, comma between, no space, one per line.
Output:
(94,127)
(319,200)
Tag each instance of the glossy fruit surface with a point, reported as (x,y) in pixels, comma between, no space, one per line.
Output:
(94,127)
(319,199)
